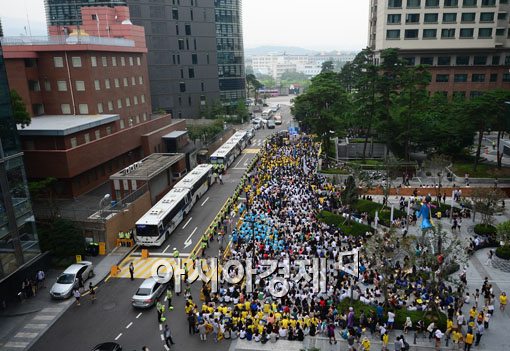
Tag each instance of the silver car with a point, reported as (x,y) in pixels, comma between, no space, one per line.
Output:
(148,293)
(67,281)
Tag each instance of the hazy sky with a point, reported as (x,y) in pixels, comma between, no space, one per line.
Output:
(318,24)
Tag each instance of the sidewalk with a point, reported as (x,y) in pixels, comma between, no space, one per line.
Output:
(23,323)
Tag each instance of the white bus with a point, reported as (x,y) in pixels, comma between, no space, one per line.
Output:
(227,153)
(197,181)
(162,219)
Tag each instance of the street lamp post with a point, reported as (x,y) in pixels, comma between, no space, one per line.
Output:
(107,197)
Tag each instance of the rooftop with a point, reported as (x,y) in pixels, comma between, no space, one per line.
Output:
(149,167)
(61,125)
(65,40)
(174,134)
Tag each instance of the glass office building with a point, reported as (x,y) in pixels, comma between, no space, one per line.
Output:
(230,51)
(18,238)
(67,12)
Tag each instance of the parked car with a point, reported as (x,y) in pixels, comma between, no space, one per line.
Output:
(107,346)
(257,123)
(250,132)
(278,119)
(271,124)
(69,279)
(148,293)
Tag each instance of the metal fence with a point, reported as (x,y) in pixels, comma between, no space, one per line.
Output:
(65,40)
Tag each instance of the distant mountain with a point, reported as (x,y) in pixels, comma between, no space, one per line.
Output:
(265,50)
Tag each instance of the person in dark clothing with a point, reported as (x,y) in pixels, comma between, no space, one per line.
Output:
(191,323)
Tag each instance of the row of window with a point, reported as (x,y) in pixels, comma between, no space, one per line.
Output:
(392,4)
(459,60)
(475,78)
(461,94)
(80,84)
(83,109)
(450,17)
(76,61)
(176,59)
(446,33)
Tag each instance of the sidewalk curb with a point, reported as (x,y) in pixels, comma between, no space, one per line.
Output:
(18,314)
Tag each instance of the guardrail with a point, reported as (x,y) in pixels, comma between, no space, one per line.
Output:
(65,40)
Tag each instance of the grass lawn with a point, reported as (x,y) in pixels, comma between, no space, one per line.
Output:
(482,171)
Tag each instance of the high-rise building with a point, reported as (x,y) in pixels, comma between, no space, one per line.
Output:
(68,12)
(19,246)
(466,43)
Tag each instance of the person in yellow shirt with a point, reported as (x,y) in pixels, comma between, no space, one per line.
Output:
(285,323)
(365,344)
(502,301)
(473,312)
(468,340)
(385,341)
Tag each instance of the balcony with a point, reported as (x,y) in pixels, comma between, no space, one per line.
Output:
(65,40)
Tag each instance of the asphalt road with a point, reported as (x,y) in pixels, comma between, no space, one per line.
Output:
(112,318)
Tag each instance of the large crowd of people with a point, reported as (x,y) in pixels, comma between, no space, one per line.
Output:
(284,195)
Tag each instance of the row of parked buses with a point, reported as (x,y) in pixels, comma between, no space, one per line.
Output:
(161,220)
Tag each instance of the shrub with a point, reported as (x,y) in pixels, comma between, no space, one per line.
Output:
(485,230)
(354,228)
(503,252)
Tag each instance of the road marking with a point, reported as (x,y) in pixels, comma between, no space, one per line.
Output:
(160,326)
(118,337)
(139,314)
(189,220)
(51,309)
(36,326)
(242,158)
(240,168)
(162,337)
(166,347)
(130,324)
(25,335)
(203,203)
(188,241)
(166,298)
(44,318)
(166,248)
(17,344)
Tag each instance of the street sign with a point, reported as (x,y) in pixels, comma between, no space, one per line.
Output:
(78,258)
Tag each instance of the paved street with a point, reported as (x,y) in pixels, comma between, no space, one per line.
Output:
(112,317)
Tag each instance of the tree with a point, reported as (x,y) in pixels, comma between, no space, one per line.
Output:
(503,230)
(266,80)
(485,201)
(349,195)
(437,165)
(19,110)
(44,189)
(252,84)
(327,66)
(501,122)
(62,238)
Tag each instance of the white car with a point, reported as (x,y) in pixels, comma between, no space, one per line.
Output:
(67,281)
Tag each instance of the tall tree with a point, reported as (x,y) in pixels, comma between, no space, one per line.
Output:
(19,110)
(327,66)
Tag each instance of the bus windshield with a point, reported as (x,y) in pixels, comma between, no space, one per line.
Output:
(146,230)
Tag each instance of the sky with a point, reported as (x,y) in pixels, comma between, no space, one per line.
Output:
(317,24)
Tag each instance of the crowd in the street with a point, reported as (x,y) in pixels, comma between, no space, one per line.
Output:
(279,222)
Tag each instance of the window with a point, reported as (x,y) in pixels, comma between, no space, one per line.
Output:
(84,109)
(485,33)
(500,32)
(506,77)
(502,16)
(133,81)
(469,3)
(116,82)
(194,43)
(125,81)
(467,32)
(442,78)
(451,3)
(462,60)
(189,101)
(104,62)
(175,14)
(138,61)
(429,33)
(122,124)
(427,61)
(80,85)
(108,130)
(460,78)
(93,61)
(47,85)
(488,3)
(122,61)
(443,60)
(176,29)
(128,102)
(468,17)
(411,33)
(187,29)
(495,60)
(135,100)
(413,3)
(430,18)
(97,134)
(144,116)
(207,57)
(410,60)
(110,106)
(194,59)
(507,60)
(487,17)
(449,17)
(480,78)
(178,59)
(475,94)
(181,44)
(99,107)
(74,142)
(119,103)
(182,73)
(412,18)
(97,85)
(58,62)
(131,62)
(480,60)
(431,3)
(191,12)
(61,85)
(87,138)
(76,61)
(459,95)
(448,33)
(33,85)
(66,109)
(182,87)
(203,100)
(114,61)
(142,98)
(494,77)
(140,80)
(107,83)
(191,72)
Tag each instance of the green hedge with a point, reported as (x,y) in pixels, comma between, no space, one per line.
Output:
(354,228)
(400,314)
(503,252)
(485,230)
(384,215)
